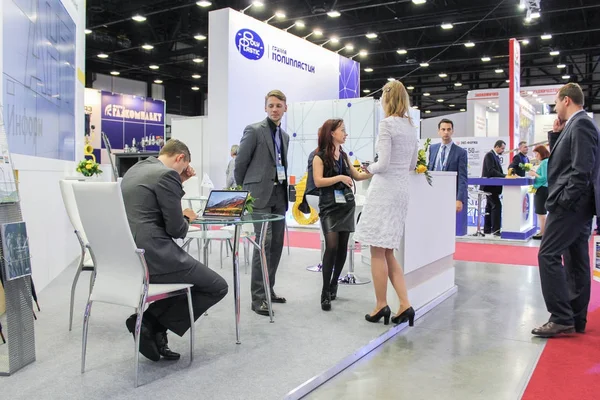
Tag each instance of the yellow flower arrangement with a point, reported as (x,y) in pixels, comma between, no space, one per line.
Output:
(526,167)
(421,167)
(88,168)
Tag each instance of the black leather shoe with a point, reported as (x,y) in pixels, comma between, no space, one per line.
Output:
(148,346)
(262,309)
(551,329)
(163,347)
(580,327)
(277,299)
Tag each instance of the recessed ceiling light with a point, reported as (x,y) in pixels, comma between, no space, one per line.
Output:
(499,71)
(317,32)
(196,76)
(401,51)
(200,37)
(88,31)
(371,35)
(363,53)
(443,75)
(258,3)
(458,84)
(462,110)
(415,107)
(424,65)
(447,26)
(203,3)
(419,1)
(525,42)
(486,59)
(561,66)
(102,55)
(440,100)
(469,44)
(566,77)
(334,14)
(546,37)
(451,105)
(195,88)
(300,24)
(349,47)
(154,66)
(368,69)
(426,94)
(115,73)
(427,112)
(554,53)
(158,81)
(198,60)
(391,79)
(280,14)
(410,87)
(147,47)
(138,18)
(334,39)
(366,91)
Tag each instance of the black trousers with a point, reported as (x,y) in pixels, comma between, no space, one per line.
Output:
(273,245)
(566,289)
(173,313)
(493,214)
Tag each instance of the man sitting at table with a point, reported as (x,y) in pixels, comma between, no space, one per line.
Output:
(152,192)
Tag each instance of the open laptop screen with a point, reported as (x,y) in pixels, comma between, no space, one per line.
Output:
(225,203)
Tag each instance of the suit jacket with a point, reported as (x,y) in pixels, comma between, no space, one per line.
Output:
(255,164)
(492,169)
(152,195)
(573,166)
(552,138)
(519,159)
(457,161)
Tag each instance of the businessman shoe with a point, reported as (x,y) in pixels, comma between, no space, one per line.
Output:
(148,346)
(551,329)
(277,299)
(163,347)
(262,309)
(580,327)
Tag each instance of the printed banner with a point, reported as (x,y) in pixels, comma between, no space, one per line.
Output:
(514,95)
(597,258)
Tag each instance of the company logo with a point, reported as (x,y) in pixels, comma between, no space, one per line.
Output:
(116,111)
(526,207)
(249,44)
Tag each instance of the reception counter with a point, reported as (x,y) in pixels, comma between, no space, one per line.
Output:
(427,248)
(517,206)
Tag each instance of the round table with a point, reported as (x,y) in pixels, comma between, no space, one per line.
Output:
(256,219)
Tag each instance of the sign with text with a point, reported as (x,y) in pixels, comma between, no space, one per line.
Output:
(514,94)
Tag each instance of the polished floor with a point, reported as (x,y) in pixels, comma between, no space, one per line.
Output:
(475,345)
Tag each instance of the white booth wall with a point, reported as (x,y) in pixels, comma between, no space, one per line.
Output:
(429,126)
(52,243)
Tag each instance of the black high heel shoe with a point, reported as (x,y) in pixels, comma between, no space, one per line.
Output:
(385,312)
(407,315)
(333,291)
(325,301)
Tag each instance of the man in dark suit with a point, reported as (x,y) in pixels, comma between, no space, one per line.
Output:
(520,158)
(492,168)
(152,191)
(261,168)
(447,156)
(573,199)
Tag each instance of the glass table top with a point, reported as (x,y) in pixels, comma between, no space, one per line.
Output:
(245,219)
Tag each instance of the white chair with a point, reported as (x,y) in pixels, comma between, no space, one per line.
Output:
(121,271)
(85,261)
(246,233)
(207,236)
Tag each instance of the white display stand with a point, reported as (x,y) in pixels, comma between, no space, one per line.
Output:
(426,251)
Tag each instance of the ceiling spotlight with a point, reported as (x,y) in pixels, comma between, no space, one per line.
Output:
(451,105)
(154,67)
(443,75)
(366,91)
(554,53)
(88,31)
(368,69)
(198,60)
(371,35)
(138,18)
(522,5)
(115,73)
(334,14)
(203,3)
(147,47)
(317,32)
(349,47)
(424,65)
(401,51)
(561,66)
(486,59)
(469,44)
(195,88)
(253,4)
(535,15)
(410,88)
(525,42)
(447,26)
(102,55)
(391,79)
(419,1)
(426,94)
(300,24)
(200,37)
(462,110)
(546,36)
(334,39)
(428,112)
(158,81)
(415,107)
(440,100)
(508,81)
(458,84)
(280,14)
(196,76)
(499,71)
(363,53)
(566,76)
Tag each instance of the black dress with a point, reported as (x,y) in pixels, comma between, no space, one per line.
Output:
(335,217)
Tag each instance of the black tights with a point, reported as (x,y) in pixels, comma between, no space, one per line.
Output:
(336,246)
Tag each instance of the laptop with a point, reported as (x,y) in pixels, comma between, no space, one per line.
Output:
(225,204)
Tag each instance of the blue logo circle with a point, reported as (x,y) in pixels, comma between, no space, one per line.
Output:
(526,207)
(249,44)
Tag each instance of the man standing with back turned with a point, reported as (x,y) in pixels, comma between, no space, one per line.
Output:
(573,199)
(261,168)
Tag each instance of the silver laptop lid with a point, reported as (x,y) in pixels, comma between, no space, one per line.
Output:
(225,203)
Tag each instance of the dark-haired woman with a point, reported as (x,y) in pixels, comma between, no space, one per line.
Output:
(333,174)
(540,184)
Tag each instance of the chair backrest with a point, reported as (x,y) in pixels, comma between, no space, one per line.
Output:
(313,201)
(119,272)
(66,189)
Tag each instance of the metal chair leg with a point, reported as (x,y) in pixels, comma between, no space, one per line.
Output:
(138,328)
(221,254)
(73,287)
(192,328)
(86,320)
(287,233)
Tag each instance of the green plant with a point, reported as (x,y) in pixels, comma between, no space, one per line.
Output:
(89,168)
(249,203)
(421,167)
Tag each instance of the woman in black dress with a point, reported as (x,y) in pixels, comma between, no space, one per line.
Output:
(333,174)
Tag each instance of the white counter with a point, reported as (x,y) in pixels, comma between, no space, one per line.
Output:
(426,251)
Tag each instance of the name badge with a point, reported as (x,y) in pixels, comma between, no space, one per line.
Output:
(281,173)
(339,197)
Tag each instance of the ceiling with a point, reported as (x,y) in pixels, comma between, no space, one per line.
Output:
(172,25)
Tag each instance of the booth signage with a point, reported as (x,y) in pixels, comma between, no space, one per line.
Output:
(249,44)
(514,94)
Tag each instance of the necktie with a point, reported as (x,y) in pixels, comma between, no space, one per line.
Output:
(442,159)
(278,154)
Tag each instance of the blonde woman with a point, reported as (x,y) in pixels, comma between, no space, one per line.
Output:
(381,225)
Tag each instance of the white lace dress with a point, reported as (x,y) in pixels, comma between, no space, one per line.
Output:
(382,221)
